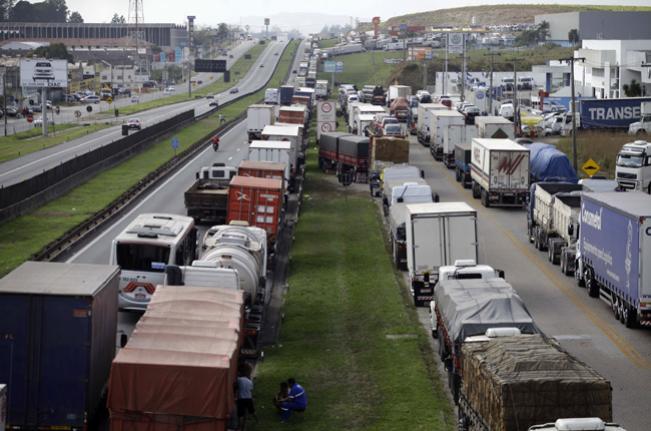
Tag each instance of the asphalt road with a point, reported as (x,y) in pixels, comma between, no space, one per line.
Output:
(167,198)
(19,169)
(584,326)
(66,114)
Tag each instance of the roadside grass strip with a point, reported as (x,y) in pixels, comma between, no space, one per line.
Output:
(22,237)
(29,141)
(349,336)
(364,68)
(238,71)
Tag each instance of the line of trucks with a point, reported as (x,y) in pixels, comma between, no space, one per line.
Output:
(503,372)
(177,370)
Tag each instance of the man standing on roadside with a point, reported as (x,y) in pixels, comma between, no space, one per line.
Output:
(244,398)
(297,400)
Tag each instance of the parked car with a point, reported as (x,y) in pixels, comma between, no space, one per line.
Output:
(210,96)
(12,111)
(91,99)
(38,122)
(135,99)
(134,123)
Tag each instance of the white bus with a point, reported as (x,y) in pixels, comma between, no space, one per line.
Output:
(145,248)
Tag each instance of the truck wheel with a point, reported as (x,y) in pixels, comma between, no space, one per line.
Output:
(615,307)
(648,190)
(484,198)
(630,317)
(562,263)
(577,275)
(457,175)
(476,193)
(591,284)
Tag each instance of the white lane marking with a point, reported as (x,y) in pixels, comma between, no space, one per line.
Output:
(143,201)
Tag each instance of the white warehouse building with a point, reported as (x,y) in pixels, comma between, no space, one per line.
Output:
(610,65)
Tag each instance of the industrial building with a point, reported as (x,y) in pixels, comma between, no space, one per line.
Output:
(610,65)
(84,34)
(598,25)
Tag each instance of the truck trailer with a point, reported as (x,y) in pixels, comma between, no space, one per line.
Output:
(633,170)
(613,253)
(494,127)
(437,234)
(500,172)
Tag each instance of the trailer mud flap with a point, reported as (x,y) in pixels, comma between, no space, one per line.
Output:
(423,292)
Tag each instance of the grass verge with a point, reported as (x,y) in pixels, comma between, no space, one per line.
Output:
(25,235)
(238,71)
(29,141)
(601,146)
(364,68)
(348,336)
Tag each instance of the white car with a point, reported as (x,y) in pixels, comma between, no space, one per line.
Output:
(506,111)
(38,122)
(170,89)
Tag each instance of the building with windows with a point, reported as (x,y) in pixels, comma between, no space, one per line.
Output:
(598,24)
(87,34)
(612,64)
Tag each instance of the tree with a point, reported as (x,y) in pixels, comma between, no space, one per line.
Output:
(5,9)
(54,51)
(118,19)
(632,90)
(45,11)
(76,17)
(573,36)
(222,31)
(542,31)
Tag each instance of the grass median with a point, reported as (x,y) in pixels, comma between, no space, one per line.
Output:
(29,141)
(348,335)
(364,68)
(25,235)
(238,71)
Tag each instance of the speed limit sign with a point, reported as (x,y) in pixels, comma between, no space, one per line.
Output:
(326,127)
(326,111)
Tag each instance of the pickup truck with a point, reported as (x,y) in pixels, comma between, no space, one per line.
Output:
(207,198)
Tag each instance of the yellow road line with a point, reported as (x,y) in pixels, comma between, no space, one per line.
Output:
(630,352)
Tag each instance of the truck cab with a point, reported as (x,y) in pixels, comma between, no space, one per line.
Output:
(633,169)
(219,173)
(644,125)
(463,269)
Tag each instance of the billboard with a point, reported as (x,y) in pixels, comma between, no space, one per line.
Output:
(201,65)
(455,43)
(43,73)
(611,113)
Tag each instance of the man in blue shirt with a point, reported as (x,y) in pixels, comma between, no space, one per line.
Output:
(297,400)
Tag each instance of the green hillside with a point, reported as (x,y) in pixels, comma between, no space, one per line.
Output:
(496,14)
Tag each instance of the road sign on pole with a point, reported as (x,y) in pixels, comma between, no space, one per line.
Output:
(590,167)
(175,144)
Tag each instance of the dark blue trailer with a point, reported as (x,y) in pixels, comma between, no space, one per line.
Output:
(462,164)
(286,94)
(57,339)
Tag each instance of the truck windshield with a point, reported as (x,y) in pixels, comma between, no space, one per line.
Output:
(630,160)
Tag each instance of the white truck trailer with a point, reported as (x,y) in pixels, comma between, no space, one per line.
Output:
(494,127)
(424,127)
(444,120)
(499,172)
(437,234)
(257,118)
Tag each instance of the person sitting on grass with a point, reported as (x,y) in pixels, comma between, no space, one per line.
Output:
(281,396)
(297,400)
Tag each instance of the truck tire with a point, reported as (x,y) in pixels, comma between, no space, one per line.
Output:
(577,275)
(591,284)
(484,198)
(476,192)
(630,317)
(457,175)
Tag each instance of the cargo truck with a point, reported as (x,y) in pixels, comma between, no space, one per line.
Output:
(276,152)
(437,234)
(408,193)
(494,127)
(396,91)
(294,114)
(329,150)
(58,323)
(257,118)
(400,109)
(271,96)
(207,198)
(513,382)
(546,163)
(540,221)
(613,253)
(470,307)
(321,89)
(633,169)
(450,124)
(644,125)
(462,164)
(286,94)
(352,156)
(425,126)
(396,175)
(500,172)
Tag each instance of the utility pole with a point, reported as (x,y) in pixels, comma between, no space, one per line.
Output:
(445,74)
(190,46)
(492,55)
(463,70)
(4,96)
(571,60)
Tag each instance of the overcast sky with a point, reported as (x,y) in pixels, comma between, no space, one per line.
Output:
(211,12)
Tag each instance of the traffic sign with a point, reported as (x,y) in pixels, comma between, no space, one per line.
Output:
(325,127)
(175,143)
(339,67)
(30,118)
(590,167)
(326,111)
(329,66)
(109,100)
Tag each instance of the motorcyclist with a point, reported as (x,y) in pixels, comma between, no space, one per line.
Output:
(215,142)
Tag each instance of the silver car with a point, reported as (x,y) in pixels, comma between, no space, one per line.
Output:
(43,71)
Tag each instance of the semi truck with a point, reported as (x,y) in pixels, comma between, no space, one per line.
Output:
(613,253)
(450,129)
(540,222)
(437,234)
(257,118)
(644,125)
(207,198)
(396,91)
(500,172)
(514,382)
(321,89)
(633,169)
(58,323)
(424,125)
(276,152)
(408,193)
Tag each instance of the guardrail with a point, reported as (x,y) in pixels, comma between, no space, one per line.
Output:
(74,236)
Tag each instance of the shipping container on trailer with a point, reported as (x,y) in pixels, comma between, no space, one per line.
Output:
(58,323)
(257,201)
(296,114)
(261,169)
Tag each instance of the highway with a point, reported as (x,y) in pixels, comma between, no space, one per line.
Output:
(583,325)
(67,113)
(167,198)
(19,169)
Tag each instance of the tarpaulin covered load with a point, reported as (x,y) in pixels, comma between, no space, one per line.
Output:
(546,163)
(178,369)
(389,149)
(516,382)
(470,307)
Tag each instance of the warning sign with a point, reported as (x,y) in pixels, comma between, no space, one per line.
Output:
(325,127)
(590,167)
(325,111)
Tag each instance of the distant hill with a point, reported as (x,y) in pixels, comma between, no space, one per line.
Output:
(495,14)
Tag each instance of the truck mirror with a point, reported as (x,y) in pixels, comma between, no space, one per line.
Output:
(570,230)
(436,198)
(501,273)
(422,173)
(400,200)
(196,174)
